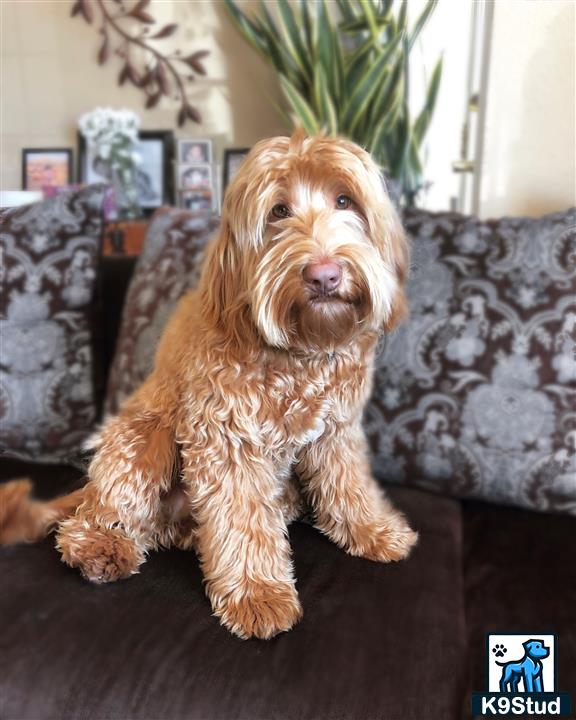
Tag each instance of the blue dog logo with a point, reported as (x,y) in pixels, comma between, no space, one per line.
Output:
(524,686)
(528,669)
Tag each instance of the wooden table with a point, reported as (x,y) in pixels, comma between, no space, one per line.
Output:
(125,237)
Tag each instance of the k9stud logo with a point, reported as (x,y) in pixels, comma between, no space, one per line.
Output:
(521,677)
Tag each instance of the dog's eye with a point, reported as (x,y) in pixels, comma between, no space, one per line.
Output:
(281,211)
(343,202)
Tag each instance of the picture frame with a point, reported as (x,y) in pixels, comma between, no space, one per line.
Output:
(192,151)
(156,183)
(197,200)
(46,167)
(197,176)
(233,158)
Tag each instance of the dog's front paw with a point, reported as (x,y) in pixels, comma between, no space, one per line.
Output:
(102,555)
(393,540)
(260,610)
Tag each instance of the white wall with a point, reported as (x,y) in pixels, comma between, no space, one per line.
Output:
(529,144)
(446,35)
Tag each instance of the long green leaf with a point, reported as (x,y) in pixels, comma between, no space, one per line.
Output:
(423,120)
(300,54)
(419,24)
(246,27)
(279,52)
(325,35)
(300,106)
(357,66)
(386,123)
(282,111)
(324,102)
(330,55)
(309,23)
(402,16)
(390,83)
(386,6)
(370,16)
(367,87)
(337,74)
(361,25)
(347,9)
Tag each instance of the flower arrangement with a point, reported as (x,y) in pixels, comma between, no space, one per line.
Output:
(112,136)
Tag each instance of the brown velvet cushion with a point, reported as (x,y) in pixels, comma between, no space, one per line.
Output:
(474,395)
(376,641)
(168,266)
(519,576)
(50,256)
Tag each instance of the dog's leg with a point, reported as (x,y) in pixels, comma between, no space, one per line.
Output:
(528,679)
(121,516)
(241,539)
(350,507)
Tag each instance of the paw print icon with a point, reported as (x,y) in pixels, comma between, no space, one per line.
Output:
(499,650)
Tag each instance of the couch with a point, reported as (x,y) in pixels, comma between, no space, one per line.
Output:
(377,642)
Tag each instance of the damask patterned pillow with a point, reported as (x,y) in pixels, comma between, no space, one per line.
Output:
(50,254)
(476,394)
(168,266)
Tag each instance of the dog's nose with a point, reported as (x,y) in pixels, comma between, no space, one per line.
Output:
(322,277)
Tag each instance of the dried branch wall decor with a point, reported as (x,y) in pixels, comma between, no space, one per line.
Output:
(127,29)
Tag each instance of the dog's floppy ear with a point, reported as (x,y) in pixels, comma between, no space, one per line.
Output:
(231,257)
(389,236)
(221,276)
(396,245)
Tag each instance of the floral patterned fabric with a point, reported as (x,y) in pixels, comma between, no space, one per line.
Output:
(168,266)
(48,266)
(476,394)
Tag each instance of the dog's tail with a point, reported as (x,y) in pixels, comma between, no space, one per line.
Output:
(23,519)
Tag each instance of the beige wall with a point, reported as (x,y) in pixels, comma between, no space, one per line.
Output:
(49,76)
(529,155)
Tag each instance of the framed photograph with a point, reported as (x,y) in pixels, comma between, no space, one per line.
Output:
(192,152)
(195,177)
(154,174)
(46,167)
(233,158)
(196,200)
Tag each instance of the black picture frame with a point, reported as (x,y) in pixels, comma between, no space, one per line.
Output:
(204,143)
(164,176)
(69,160)
(230,155)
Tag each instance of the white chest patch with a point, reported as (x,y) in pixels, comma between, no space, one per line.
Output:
(316,431)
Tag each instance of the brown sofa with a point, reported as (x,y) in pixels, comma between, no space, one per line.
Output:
(400,642)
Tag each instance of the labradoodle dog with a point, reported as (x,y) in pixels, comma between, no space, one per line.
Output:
(255,401)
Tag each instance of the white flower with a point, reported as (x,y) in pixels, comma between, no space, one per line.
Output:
(104,124)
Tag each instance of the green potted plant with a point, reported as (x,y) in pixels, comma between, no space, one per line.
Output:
(347,72)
